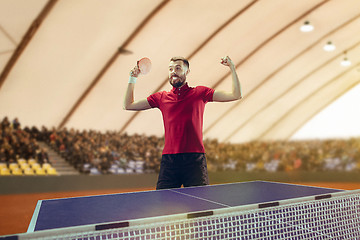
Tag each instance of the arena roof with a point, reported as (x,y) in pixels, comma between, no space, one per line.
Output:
(66,63)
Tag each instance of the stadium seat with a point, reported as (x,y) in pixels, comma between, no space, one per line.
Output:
(113,169)
(3,165)
(24,165)
(94,171)
(35,166)
(40,171)
(51,171)
(5,172)
(16,171)
(31,161)
(28,171)
(46,166)
(21,161)
(129,170)
(13,166)
(120,171)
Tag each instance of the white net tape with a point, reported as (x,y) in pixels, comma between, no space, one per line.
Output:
(330,218)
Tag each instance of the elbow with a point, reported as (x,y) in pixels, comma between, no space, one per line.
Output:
(125,107)
(128,108)
(238,96)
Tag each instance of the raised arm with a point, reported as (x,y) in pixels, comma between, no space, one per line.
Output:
(235,94)
(129,103)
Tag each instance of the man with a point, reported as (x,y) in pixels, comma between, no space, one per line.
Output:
(183,160)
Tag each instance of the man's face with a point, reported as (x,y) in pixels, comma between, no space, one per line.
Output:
(177,73)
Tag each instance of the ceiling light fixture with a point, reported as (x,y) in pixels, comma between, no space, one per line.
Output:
(306,27)
(124,51)
(345,62)
(329,46)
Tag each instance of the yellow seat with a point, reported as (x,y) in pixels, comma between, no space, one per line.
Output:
(46,166)
(16,171)
(28,171)
(3,165)
(13,166)
(35,166)
(5,172)
(51,171)
(31,161)
(21,161)
(40,171)
(24,165)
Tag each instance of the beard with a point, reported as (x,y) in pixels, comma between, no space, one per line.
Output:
(177,82)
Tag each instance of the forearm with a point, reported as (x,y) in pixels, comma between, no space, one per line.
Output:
(236,86)
(235,94)
(129,96)
(129,101)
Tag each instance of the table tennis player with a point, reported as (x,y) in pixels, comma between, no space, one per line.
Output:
(183,160)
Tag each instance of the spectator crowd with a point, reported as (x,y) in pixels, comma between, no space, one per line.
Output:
(17,143)
(111,152)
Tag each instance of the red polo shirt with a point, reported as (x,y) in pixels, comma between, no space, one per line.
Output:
(183,111)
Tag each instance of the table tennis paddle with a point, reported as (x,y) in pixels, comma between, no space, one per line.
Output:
(144,65)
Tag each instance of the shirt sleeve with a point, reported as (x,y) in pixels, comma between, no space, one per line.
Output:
(206,93)
(154,100)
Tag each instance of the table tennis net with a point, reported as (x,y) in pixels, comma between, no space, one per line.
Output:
(335,216)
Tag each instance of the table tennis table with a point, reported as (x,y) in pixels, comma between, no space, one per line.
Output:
(68,212)
(123,210)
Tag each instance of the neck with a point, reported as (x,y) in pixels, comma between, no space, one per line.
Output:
(179,86)
(182,85)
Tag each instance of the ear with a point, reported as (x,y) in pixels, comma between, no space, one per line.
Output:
(187,71)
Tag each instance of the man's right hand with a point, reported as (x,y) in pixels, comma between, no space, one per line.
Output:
(129,103)
(135,72)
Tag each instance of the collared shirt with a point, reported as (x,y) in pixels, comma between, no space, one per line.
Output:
(183,111)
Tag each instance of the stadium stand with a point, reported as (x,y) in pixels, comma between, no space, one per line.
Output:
(67,152)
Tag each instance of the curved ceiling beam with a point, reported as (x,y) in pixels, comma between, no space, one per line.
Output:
(302,79)
(293,109)
(121,49)
(251,54)
(26,40)
(202,45)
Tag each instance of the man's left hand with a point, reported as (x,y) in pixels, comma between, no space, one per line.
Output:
(226,61)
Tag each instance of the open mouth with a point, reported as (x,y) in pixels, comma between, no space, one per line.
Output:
(176,81)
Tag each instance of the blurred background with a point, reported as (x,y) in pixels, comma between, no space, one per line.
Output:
(64,69)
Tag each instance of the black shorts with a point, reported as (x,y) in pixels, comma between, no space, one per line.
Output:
(187,169)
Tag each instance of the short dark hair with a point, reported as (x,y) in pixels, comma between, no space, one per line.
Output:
(184,60)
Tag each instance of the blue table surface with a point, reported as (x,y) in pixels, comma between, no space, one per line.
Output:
(67,212)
